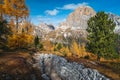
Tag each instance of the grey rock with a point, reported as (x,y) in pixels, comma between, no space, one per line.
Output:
(45,77)
(58,68)
(33,77)
(78,18)
(116,20)
(43,29)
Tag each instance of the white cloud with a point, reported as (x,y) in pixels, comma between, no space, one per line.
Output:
(42,18)
(72,6)
(52,12)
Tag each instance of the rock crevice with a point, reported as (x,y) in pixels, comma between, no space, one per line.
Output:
(57,68)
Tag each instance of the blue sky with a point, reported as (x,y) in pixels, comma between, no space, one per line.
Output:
(56,11)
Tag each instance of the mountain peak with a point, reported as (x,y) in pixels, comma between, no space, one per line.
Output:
(85,10)
(78,18)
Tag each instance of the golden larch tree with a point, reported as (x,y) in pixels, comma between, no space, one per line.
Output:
(16,9)
(75,49)
(12,26)
(68,53)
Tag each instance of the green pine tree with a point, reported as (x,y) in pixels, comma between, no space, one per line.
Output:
(4,32)
(101,37)
(118,45)
(36,41)
(4,28)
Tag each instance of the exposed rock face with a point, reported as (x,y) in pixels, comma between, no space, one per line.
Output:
(43,29)
(51,27)
(78,19)
(116,20)
(57,68)
(75,25)
(46,27)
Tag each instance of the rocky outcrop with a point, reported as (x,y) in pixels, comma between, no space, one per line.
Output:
(57,68)
(51,27)
(43,29)
(78,18)
(116,20)
(75,25)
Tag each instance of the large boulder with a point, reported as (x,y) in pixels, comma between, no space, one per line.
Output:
(57,68)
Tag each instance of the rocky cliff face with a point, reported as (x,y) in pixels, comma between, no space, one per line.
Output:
(75,24)
(43,29)
(78,18)
(116,20)
(57,68)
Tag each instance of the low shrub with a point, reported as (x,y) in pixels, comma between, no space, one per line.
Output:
(19,41)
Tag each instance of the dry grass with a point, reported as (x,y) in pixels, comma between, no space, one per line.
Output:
(110,69)
(17,65)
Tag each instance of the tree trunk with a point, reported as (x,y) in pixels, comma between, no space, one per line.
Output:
(1,16)
(16,24)
(98,57)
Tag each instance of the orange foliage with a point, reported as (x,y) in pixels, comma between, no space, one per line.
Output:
(78,51)
(12,26)
(65,51)
(75,50)
(68,53)
(20,10)
(26,27)
(2,10)
(48,46)
(22,40)
(16,10)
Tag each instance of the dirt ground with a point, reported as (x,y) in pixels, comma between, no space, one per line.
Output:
(17,66)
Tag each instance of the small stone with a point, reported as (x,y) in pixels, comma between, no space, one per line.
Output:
(45,77)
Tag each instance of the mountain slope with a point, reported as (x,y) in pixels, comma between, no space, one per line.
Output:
(116,20)
(75,25)
(78,18)
(43,29)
